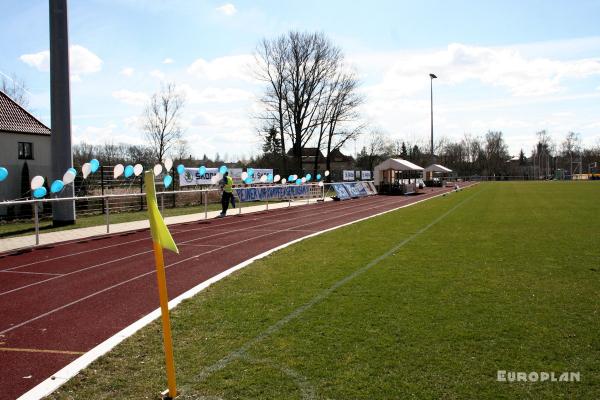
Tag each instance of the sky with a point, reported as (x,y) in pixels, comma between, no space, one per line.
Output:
(511,66)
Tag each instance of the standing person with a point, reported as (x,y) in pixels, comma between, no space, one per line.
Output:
(227,186)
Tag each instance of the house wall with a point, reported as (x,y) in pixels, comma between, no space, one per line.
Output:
(10,188)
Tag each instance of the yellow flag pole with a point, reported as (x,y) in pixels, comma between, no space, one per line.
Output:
(161,238)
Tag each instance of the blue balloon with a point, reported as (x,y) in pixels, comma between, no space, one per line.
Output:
(250,171)
(318,177)
(128,171)
(290,178)
(94,164)
(167,180)
(3,173)
(202,170)
(248,180)
(270,178)
(40,192)
(223,169)
(180,169)
(57,186)
(298,181)
(308,177)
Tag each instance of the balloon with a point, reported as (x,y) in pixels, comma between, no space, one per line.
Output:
(138,169)
(327,173)
(298,181)
(118,171)
(318,177)
(277,178)
(157,169)
(223,169)
(270,177)
(248,181)
(180,169)
(167,180)
(308,177)
(294,177)
(86,169)
(128,171)
(215,179)
(303,180)
(250,172)
(202,170)
(40,192)
(283,181)
(168,164)
(57,186)
(321,183)
(3,173)
(244,175)
(95,164)
(263,178)
(69,176)
(290,178)
(37,182)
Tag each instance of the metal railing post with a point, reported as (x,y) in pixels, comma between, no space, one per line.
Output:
(107,215)
(37,223)
(162,203)
(205,193)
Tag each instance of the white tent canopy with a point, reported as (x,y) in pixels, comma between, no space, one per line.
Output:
(398,164)
(438,168)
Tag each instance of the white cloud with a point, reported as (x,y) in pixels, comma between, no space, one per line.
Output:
(127,71)
(215,95)
(227,9)
(229,67)
(168,61)
(129,97)
(82,61)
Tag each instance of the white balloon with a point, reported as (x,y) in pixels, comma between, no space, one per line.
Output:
(283,181)
(320,183)
(158,169)
(138,169)
(118,171)
(303,180)
(244,175)
(37,182)
(215,179)
(263,178)
(86,169)
(276,178)
(168,164)
(294,177)
(68,177)
(327,173)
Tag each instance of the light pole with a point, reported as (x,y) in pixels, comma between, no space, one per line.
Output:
(432,76)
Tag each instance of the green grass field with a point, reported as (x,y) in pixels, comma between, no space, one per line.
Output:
(426,302)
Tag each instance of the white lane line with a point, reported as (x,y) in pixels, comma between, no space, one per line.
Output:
(52,383)
(30,273)
(237,243)
(150,251)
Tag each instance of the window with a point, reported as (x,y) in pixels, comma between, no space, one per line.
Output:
(25,151)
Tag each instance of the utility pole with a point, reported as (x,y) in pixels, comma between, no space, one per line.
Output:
(432,76)
(63,213)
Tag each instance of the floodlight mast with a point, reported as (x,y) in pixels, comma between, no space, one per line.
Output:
(432,76)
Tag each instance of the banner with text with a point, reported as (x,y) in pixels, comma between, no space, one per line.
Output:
(271,193)
(348,175)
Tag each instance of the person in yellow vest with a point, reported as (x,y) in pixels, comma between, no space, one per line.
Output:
(227,186)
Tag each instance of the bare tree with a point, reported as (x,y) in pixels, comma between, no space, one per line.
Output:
(161,120)
(181,151)
(16,89)
(308,93)
(570,147)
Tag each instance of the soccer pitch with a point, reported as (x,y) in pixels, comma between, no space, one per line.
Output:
(430,301)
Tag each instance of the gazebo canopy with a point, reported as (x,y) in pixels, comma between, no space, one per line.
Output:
(438,168)
(397,164)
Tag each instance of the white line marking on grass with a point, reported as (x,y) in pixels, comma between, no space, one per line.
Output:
(62,376)
(239,353)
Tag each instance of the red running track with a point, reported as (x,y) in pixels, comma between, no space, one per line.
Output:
(61,300)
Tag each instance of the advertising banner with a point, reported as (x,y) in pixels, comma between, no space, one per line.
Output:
(365,175)
(191,176)
(271,193)
(340,191)
(348,175)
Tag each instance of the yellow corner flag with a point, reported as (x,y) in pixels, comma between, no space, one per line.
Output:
(161,238)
